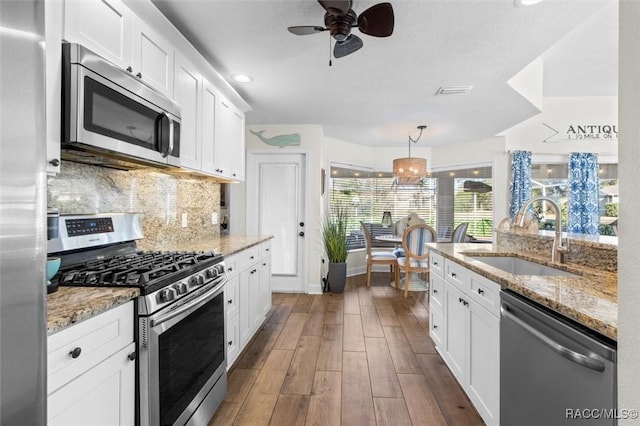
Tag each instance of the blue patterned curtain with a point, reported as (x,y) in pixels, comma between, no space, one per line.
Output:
(584,187)
(520,184)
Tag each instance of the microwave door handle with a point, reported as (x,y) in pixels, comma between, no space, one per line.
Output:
(170,149)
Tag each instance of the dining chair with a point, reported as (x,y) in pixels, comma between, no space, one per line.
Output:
(460,233)
(416,252)
(378,257)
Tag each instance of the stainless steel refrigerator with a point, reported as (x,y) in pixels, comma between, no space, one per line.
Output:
(22,214)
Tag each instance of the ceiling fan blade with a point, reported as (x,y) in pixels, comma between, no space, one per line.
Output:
(339,7)
(350,45)
(377,21)
(306,29)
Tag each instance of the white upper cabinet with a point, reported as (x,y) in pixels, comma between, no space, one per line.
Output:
(188,93)
(113,31)
(212,128)
(210,123)
(152,58)
(103,26)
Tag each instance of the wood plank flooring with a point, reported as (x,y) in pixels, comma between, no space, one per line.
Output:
(363,357)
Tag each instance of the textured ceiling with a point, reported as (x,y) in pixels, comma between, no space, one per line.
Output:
(379,94)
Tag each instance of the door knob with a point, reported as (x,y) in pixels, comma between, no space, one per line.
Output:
(301,223)
(301,233)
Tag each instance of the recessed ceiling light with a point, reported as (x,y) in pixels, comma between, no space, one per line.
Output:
(242,78)
(521,3)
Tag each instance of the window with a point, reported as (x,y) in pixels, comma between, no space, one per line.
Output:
(551,180)
(443,200)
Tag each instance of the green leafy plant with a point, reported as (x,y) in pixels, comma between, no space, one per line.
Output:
(334,236)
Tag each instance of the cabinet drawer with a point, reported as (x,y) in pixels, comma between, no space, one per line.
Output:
(485,292)
(231,266)
(248,257)
(265,250)
(457,274)
(232,297)
(436,263)
(437,290)
(436,325)
(92,341)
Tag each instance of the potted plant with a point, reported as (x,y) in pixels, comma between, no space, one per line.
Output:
(334,236)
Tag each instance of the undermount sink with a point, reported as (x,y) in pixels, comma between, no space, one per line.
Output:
(517,266)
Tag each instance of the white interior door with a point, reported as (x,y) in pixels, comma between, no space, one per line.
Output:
(275,206)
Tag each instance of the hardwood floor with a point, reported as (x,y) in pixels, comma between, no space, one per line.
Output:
(363,357)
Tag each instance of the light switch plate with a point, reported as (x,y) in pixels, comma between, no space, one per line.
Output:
(184,220)
(214,218)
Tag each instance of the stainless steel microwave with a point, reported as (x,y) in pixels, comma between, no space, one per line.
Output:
(112,118)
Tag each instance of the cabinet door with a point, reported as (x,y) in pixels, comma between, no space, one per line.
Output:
(210,123)
(265,285)
(152,58)
(232,297)
(188,94)
(103,26)
(53,15)
(237,143)
(456,331)
(255,305)
(104,395)
(484,363)
(223,143)
(245,294)
(437,326)
(233,340)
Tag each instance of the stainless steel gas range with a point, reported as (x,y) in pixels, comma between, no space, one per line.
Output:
(181,360)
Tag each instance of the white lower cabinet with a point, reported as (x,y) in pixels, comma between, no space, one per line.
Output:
(465,327)
(91,371)
(247,295)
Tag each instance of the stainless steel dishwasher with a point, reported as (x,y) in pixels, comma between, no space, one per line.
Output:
(553,371)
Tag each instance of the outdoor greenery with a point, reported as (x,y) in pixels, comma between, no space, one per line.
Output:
(611,209)
(334,236)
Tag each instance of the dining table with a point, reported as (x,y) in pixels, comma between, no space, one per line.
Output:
(416,283)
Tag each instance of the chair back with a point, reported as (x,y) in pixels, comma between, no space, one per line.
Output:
(367,237)
(415,238)
(460,233)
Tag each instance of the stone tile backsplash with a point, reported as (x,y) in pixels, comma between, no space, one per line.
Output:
(161,197)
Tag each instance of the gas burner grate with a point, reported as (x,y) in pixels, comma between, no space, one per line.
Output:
(141,269)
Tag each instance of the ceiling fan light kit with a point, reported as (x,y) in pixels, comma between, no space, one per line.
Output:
(339,18)
(410,167)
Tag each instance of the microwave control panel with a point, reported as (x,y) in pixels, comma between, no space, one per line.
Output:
(77,227)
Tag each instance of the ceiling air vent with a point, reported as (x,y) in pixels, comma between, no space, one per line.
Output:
(453,90)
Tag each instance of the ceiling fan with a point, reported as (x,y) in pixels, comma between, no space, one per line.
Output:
(339,18)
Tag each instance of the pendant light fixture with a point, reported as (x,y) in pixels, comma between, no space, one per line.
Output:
(410,168)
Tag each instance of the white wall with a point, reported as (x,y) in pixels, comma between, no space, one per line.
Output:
(629,240)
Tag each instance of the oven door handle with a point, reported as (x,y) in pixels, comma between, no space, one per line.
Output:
(193,305)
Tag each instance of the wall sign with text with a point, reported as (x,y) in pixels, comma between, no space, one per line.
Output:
(576,132)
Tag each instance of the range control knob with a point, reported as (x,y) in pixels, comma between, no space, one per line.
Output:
(220,269)
(200,279)
(212,273)
(193,282)
(167,295)
(181,288)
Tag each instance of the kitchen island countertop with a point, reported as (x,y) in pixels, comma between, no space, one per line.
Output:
(590,299)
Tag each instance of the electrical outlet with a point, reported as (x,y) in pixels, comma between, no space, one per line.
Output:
(214,218)
(184,220)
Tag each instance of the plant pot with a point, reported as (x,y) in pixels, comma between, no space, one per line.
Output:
(337,276)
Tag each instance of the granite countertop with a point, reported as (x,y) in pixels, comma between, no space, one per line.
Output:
(225,244)
(69,305)
(591,299)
